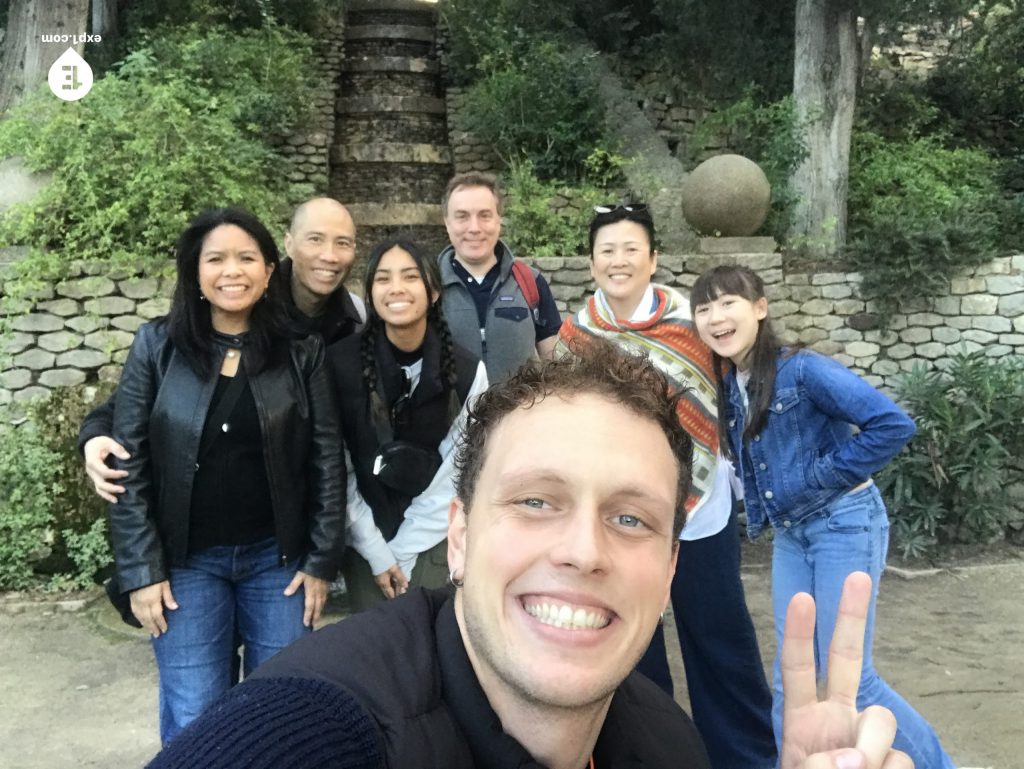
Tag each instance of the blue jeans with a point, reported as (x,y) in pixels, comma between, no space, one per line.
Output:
(729,695)
(216,589)
(815,556)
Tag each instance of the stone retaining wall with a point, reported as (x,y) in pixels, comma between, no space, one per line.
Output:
(80,330)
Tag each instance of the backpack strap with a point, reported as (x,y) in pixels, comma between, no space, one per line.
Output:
(526,278)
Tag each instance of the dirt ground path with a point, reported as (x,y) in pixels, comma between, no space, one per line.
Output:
(78,689)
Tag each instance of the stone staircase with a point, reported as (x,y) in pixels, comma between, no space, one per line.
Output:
(390,160)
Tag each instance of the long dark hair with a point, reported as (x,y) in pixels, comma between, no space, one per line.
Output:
(744,282)
(190,324)
(431,275)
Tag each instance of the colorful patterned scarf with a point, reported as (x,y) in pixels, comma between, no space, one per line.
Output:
(670,340)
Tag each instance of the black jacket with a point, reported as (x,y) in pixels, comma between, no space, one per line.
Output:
(161,407)
(403,666)
(427,424)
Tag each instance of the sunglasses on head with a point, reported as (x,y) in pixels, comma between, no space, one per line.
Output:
(607,208)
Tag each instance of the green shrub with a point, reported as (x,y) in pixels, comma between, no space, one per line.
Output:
(536,226)
(27,492)
(952,482)
(918,213)
(178,128)
(545,108)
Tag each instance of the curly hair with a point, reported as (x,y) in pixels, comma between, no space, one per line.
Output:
(596,367)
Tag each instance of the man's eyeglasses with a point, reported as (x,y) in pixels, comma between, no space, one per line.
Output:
(607,208)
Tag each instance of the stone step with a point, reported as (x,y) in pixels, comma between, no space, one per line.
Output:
(385,127)
(396,214)
(395,152)
(389,32)
(358,50)
(378,6)
(429,105)
(390,182)
(392,64)
(389,84)
(430,238)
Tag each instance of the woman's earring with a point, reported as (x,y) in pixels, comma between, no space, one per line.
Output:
(457,581)
(202,298)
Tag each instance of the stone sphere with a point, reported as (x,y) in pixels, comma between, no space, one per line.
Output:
(726,195)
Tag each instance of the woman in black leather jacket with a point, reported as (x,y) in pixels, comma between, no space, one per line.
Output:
(232,513)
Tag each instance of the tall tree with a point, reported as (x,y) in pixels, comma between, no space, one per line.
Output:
(24,58)
(825,74)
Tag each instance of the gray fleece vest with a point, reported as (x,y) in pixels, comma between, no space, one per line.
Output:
(508,338)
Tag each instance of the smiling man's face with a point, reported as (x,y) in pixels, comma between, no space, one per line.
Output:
(567,554)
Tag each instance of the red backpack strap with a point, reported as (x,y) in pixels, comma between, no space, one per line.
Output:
(527,281)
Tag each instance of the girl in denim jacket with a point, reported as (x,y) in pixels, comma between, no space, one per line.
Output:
(788,422)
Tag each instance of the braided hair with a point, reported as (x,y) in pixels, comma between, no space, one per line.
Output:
(431,276)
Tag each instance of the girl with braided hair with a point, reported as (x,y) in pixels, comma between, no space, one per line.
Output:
(404,389)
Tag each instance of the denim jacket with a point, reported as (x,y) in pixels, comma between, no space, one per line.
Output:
(807,455)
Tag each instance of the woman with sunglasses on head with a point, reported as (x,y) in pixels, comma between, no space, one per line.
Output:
(404,388)
(787,418)
(232,514)
(729,695)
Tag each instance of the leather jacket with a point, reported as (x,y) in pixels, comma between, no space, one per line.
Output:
(159,415)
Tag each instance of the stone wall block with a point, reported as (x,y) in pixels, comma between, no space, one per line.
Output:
(829,322)
(568,293)
(15,341)
(994,323)
(153,308)
(916,334)
(1018,324)
(129,323)
(30,394)
(576,263)
(571,278)
(60,341)
(874,381)
(980,304)
(85,324)
(1012,339)
(548,264)
(771,277)
(925,319)
(804,293)
(998,350)
(828,278)
(109,373)
(961,322)
(845,335)
(670,262)
(837,291)
(38,322)
(828,347)
(6,396)
(900,351)
(931,350)
(15,378)
(979,336)
(816,307)
(110,305)
(65,308)
(947,305)
(1005,284)
(884,338)
(798,279)
(811,335)
(139,288)
(1011,305)
(86,288)
(83,358)
(35,359)
(862,349)
(62,377)
(661,275)
(967,285)
(840,357)
(946,335)
(11,306)
(110,339)
(885,367)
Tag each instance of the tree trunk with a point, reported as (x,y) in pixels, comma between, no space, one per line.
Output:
(24,58)
(824,93)
(104,19)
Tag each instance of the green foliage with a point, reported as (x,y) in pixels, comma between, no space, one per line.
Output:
(767,134)
(51,521)
(535,226)
(918,213)
(180,127)
(544,108)
(27,492)
(951,483)
(305,15)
